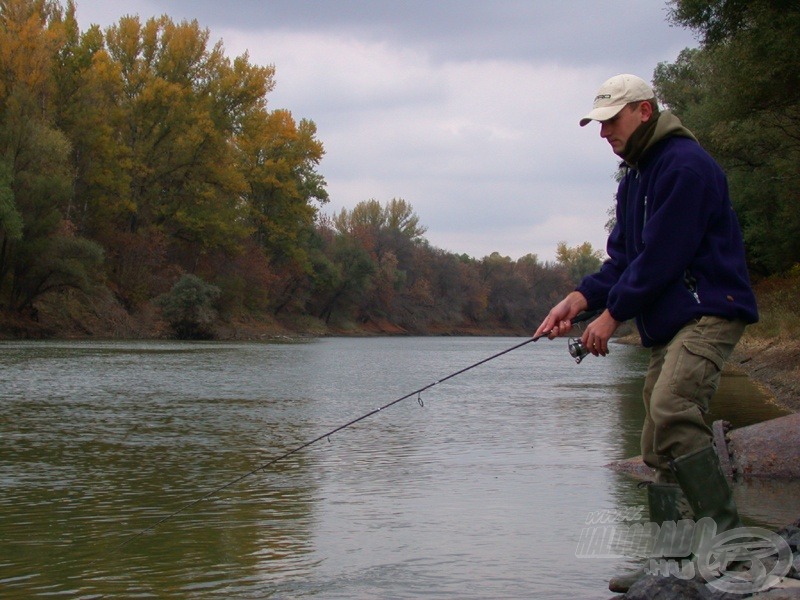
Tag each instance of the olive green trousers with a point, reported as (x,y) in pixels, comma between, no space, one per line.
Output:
(681,379)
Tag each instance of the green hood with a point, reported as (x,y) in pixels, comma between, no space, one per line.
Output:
(664,125)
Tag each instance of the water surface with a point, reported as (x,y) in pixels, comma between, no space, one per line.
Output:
(479,488)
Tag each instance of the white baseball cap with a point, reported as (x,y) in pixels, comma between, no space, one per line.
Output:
(615,93)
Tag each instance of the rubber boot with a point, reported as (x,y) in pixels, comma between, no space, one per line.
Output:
(666,502)
(701,479)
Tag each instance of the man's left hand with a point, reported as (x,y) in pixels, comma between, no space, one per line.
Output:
(598,332)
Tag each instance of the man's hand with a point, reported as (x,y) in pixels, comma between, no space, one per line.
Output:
(559,319)
(598,332)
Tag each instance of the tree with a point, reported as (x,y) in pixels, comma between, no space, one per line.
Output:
(47,256)
(87,110)
(389,234)
(40,252)
(139,155)
(399,217)
(740,94)
(508,296)
(157,113)
(182,175)
(347,279)
(546,284)
(278,159)
(53,264)
(475,291)
(10,219)
(579,261)
(31,32)
(437,290)
(381,228)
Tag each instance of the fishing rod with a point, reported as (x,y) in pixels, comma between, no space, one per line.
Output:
(576,350)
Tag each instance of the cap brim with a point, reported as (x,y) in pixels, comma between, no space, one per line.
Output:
(602,114)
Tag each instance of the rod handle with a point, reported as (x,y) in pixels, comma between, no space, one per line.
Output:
(586,315)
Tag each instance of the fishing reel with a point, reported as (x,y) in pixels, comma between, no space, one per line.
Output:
(576,349)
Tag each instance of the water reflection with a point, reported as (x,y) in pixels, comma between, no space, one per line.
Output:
(101,441)
(480,491)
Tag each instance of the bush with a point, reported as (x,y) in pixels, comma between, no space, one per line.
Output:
(189,308)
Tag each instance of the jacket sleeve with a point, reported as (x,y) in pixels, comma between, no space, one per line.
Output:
(595,287)
(676,218)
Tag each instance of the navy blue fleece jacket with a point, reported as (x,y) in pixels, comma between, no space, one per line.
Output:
(676,251)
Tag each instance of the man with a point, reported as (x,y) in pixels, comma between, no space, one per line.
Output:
(677,266)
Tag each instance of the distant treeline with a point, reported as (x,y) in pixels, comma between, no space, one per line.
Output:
(142,162)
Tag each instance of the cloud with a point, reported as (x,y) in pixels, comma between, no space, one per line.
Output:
(474,146)
(466,109)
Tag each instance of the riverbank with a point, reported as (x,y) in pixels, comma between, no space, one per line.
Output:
(71,316)
(768,353)
(774,365)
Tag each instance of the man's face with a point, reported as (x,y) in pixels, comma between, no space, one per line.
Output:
(619,128)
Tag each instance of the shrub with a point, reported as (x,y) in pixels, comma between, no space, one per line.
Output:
(189,308)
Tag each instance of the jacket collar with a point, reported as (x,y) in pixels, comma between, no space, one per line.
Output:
(649,134)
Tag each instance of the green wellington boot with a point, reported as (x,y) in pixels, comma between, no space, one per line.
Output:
(701,479)
(666,502)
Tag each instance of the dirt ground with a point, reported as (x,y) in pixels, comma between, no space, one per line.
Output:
(774,365)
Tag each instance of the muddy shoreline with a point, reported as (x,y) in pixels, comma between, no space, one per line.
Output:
(773,365)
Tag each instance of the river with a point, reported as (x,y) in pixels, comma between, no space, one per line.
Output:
(479,487)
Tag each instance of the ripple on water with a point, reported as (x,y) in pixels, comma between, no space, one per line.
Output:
(481,490)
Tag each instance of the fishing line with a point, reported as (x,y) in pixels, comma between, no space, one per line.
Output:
(418,393)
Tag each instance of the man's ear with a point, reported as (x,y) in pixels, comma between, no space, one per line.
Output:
(646,110)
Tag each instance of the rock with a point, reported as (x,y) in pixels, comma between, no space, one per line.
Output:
(792,593)
(633,467)
(654,587)
(791,534)
(662,587)
(768,449)
(765,450)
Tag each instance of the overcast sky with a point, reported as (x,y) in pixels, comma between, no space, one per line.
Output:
(467,109)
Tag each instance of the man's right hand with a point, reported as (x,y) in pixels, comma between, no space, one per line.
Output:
(559,319)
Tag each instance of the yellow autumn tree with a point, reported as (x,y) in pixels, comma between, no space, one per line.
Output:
(579,261)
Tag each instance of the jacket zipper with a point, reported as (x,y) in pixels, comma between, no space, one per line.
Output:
(691,284)
(644,220)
